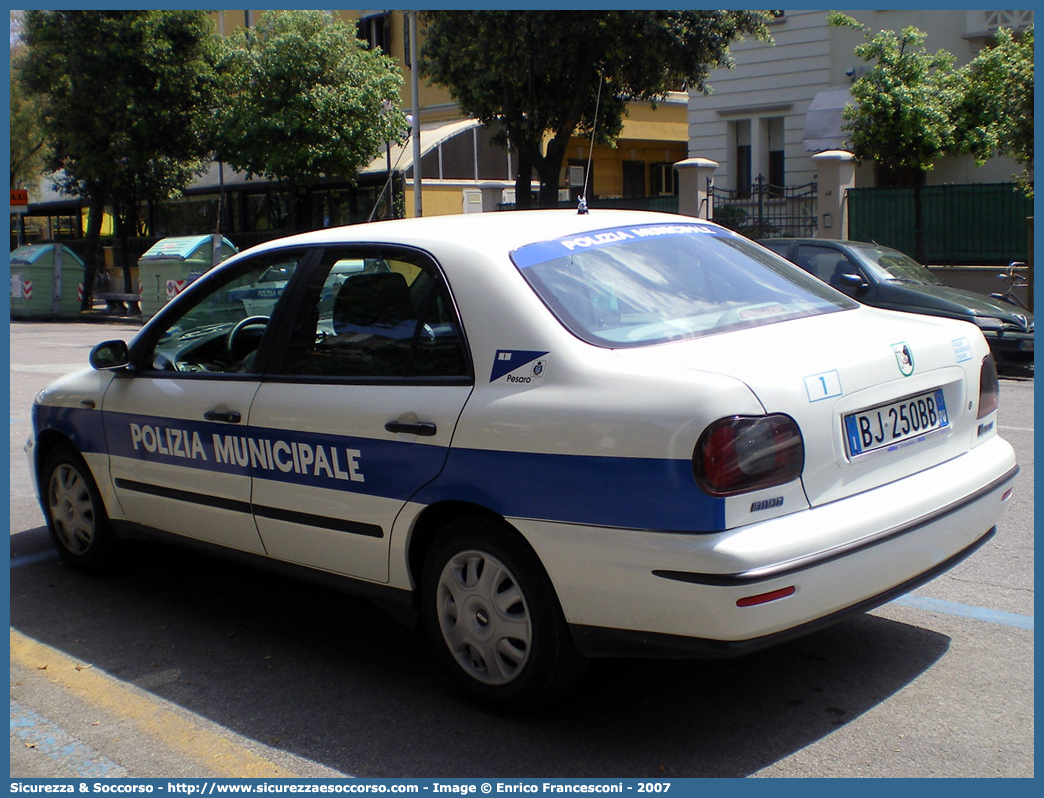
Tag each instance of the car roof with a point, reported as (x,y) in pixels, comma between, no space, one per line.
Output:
(830,242)
(499,231)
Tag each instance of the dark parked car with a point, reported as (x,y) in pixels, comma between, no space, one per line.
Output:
(886,278)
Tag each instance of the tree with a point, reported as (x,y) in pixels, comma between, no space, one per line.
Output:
(995,114)
(902,119)
(28,138)
(303,99)
(536,76)
(124,95)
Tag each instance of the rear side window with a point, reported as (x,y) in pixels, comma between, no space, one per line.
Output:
(376,315)
(649,284)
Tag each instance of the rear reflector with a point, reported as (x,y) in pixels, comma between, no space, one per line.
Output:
(765,598)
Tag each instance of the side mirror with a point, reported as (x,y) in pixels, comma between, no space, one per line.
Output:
(109,355)
(853,281)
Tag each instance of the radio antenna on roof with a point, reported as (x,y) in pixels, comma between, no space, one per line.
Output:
(581,207)
(387,183)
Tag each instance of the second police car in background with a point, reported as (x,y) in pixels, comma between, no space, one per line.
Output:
(548,436)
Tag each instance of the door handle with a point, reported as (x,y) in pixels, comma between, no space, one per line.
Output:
(423,428)
(227,416)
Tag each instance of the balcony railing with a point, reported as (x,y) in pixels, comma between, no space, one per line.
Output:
(980,24)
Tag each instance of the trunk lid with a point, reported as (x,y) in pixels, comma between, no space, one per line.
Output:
(855,363)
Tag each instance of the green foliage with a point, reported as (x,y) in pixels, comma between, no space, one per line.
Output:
(902,117)
(533,76)
(737,218)
(303,98)
(28,138)
(995,114)
(123,93)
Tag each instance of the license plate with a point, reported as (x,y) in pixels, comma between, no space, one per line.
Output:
(890,425)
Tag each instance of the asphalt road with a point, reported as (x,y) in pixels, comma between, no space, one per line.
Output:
(186,666)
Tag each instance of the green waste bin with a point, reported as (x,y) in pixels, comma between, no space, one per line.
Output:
(171,264)
(46,282)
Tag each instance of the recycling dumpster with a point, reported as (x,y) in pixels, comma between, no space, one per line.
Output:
(46,282)
(171,265)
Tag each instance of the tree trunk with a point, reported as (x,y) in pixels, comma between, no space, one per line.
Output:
(549,169)
(524,182)
(125,226)
(92,240)
(300,209)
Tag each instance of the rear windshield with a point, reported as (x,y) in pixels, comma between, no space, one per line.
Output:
(649,284)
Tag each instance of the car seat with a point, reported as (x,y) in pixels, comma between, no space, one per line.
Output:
(378,304)
(841,268)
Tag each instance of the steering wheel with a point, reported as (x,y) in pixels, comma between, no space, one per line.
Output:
(234,333)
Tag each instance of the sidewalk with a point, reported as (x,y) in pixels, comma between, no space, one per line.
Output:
(100,313)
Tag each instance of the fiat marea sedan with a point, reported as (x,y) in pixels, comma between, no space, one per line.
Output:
(542,436)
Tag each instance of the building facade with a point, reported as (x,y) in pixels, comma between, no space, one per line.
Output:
(460,170)
(781,103)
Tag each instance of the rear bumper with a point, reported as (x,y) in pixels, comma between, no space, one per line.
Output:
(597,641)
(634,592)
(853,548)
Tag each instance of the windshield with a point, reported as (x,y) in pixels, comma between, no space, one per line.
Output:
(649,284)
(892,265)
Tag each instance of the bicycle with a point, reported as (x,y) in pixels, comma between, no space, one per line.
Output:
(1013,280)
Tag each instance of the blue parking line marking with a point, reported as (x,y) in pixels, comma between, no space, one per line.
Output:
(966,611)
(32,559)
(43,736)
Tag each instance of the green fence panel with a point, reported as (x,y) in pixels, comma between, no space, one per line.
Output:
(977,224)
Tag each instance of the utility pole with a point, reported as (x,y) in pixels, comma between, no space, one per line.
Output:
(415,131)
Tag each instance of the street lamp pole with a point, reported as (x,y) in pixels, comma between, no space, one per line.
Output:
(414,91)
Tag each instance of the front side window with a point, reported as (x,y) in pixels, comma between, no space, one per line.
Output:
(217,330)
(828,264)
(371,314)
(649,284)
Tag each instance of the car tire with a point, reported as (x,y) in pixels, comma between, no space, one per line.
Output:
(76,517)
(491,612)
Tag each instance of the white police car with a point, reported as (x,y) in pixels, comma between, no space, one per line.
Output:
(548,435)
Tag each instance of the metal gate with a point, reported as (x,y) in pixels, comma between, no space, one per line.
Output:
(765,210)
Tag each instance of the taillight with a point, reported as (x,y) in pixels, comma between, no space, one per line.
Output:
(989,387)
(744,453)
